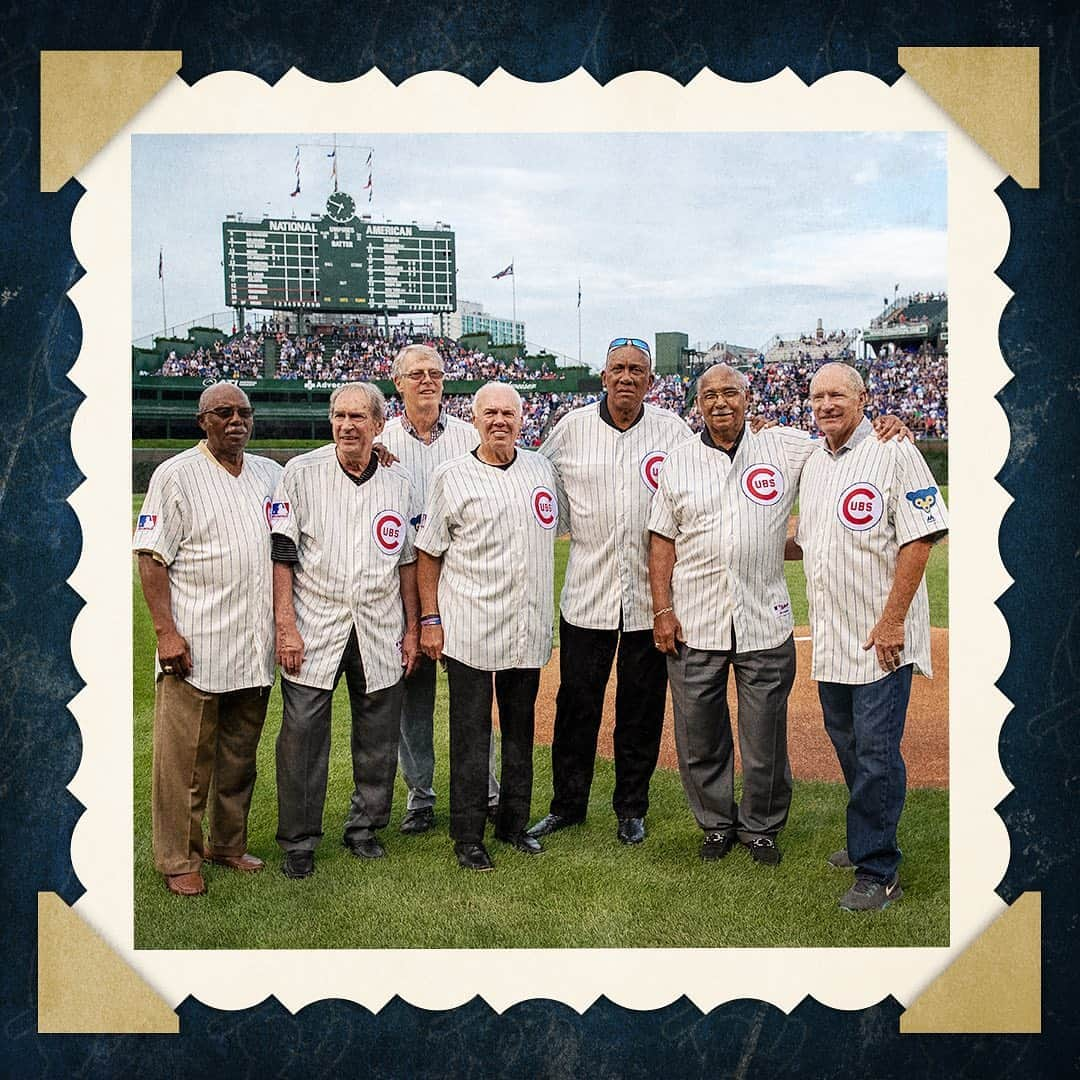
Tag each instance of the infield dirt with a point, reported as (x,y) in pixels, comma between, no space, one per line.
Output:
(926,734)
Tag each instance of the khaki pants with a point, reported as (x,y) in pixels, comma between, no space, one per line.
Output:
(204,750)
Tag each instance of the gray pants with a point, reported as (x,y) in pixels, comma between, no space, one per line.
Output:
(763,680)
(303,755)
(416,751)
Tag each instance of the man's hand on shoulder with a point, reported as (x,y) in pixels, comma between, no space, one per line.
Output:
(760,423)
(384,454)
(888,427)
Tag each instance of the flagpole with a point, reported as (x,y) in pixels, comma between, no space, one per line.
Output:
(513,285)
(161,278)
(579,322)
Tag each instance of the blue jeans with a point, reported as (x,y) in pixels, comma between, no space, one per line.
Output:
(866,724)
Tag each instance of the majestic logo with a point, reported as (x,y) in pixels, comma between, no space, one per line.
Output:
(544,507)
(860,507)
(925,499)
(650,468)
(762,484)
(388,529)
(147,522)
(782,610)
(279,512)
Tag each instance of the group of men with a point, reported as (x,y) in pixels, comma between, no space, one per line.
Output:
(343,565)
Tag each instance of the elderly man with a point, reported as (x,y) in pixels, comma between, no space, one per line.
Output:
(606,459)
(204,562)
(345,603)
(869,514)
(486,578)
(423,437)
(716,568)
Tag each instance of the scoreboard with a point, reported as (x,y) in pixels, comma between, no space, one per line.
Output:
(339,262)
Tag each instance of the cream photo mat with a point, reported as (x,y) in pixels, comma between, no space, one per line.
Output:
(637,978)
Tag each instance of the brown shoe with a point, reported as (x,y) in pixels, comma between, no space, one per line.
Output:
(246,863)
(185,884)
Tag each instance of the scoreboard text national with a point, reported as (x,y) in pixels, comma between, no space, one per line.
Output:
(339,262)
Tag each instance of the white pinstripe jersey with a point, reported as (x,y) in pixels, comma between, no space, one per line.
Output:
(606,480)
(350,539)
(212,530)
(422,459)
(857,509)
(728,519)
(495,530)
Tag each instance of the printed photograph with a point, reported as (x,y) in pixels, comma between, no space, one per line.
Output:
(540,540)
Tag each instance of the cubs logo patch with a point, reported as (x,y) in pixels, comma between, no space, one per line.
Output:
(544,507)
(860,507)
(650,468)
(388,531)
(279,511)
(762,483)
(925,499)
(147,522)
(267,503)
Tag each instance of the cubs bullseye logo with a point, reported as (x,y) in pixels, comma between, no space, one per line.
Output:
(544,507)
(650,468)
(266,510)
(388,530)
(860,507)
(762,483)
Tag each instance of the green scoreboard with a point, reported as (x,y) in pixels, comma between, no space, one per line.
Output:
(339,262)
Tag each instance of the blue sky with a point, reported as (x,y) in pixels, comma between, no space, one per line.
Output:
(726,237)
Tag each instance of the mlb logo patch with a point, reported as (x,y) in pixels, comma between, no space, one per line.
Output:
(147,522)
(279,511)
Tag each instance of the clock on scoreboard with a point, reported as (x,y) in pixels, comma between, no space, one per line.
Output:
(339,262)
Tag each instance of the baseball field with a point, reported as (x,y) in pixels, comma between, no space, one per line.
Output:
(586,890)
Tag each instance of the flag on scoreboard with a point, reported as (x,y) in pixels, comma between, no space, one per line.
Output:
(368,188)
(161,264)
(296,190)
(508,272)
(579,292)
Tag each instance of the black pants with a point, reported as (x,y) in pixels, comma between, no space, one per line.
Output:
(585,658)
(470,739)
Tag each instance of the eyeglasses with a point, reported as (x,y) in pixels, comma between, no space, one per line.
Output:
(619,342)
(225,412)
(432,373)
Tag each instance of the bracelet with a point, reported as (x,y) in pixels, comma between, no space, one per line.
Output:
(430,620)
(662,611)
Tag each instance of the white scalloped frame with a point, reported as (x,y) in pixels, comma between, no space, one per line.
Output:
(635,978)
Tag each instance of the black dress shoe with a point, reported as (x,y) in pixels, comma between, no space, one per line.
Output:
(417,820)
(298,864)
(716,845)
(366,848)
(631,830)
(552,823)
(523,842)
(473,857)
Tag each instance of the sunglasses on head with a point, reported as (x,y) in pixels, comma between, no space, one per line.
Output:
(619,342)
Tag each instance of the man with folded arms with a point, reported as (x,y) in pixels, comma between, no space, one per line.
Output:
(486,574)
(345,604)
(203,543)
(422,438)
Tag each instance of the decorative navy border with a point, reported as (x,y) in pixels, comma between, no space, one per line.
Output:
(39,340)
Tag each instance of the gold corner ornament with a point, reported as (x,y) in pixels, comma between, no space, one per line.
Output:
(87,97)
(84,987)
(992,93)
(994,987)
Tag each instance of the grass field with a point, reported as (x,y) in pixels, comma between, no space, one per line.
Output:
(585,891)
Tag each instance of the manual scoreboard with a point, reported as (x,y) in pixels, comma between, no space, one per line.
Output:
(339,262)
